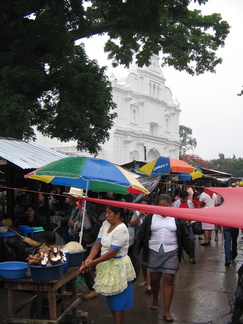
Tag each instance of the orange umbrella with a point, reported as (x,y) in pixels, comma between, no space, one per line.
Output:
(165,165)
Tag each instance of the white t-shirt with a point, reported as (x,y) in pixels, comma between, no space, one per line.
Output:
(118,238)
(163,232)
(207,199)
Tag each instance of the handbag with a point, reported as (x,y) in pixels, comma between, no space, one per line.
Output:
(197,228)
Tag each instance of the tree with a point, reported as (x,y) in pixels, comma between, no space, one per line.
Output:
(48,81)
(187,142)
(196,161)
(232,165)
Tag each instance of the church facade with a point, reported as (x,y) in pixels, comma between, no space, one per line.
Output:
(147,122)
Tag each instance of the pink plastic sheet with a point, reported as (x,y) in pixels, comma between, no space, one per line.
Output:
(230,213)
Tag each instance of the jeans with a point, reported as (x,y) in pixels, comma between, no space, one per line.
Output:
(230,242)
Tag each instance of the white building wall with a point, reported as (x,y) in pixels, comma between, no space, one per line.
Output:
(147,124)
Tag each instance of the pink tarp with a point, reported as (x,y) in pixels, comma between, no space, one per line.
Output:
(230,213)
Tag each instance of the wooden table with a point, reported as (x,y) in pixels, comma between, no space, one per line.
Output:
(50,287)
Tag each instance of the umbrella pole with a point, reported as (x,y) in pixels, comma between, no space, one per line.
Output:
(84,214)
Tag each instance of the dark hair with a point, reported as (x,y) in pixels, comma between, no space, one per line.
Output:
(184,194)
(117,210)
(145,198)
(29,206)
(164,197)
(49,238)
(196,193)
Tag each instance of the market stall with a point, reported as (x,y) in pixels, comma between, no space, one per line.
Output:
(48,287)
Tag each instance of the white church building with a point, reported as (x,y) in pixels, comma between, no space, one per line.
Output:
(147,122)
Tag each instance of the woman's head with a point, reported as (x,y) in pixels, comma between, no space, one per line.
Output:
(145,200)
(196,195)
(164,200)
(114,214)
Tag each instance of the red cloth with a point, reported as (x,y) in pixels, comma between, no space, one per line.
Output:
(184,205)
(227,214)
(196,203)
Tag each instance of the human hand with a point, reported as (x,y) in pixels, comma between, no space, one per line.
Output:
(136,256)
(71,223)
(86,266)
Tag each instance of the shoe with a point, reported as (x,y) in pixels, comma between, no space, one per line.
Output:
(154,307)
(143,284)
(148,290)
(192,261)
(90,295)
(67,293)
(205,243)
(227,263)
(168,319)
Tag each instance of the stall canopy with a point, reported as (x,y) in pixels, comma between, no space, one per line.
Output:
(15,158)
(26,155)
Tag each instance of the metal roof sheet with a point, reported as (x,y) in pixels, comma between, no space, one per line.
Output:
(27,155)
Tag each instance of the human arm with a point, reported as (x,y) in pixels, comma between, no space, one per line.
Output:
(141,236)
(119,239)
(184,237)
(134,221)
(90,262)
(76,219)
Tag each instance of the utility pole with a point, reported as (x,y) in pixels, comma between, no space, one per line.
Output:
(145,153)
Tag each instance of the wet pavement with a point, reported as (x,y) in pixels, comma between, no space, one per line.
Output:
(204,293)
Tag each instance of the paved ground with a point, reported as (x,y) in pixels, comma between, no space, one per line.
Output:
(204,293)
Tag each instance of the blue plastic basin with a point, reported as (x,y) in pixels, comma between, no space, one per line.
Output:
(13,269)
(47,273)
(76,259)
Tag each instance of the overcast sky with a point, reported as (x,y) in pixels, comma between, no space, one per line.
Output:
(209,102)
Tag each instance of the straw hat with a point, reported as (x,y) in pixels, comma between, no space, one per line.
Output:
(75,192)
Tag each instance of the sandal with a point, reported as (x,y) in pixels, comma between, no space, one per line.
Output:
(168,318)
(154,307)
(143,284)
(149,290)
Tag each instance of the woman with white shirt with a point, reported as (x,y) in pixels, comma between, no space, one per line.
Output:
(114,270)
(162,239)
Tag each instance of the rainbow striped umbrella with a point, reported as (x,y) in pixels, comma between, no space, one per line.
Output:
(89,174)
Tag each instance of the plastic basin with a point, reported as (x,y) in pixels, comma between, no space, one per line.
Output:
(13,269)
(75,259)
(47,273)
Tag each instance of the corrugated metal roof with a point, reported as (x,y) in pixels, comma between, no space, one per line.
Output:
(27,155)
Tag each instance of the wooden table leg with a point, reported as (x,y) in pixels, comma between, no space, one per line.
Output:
(10,303)
(39,304)
(74,297)
(52,305)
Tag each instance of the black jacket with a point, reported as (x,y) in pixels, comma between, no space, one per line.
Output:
(183,238)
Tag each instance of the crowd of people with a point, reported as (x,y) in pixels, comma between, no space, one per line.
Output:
(158,241)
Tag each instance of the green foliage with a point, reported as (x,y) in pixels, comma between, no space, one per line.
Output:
(187,39)
(187,142)
(232,165)
(47,81)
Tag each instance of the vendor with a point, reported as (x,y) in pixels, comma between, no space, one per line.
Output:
(30,218)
